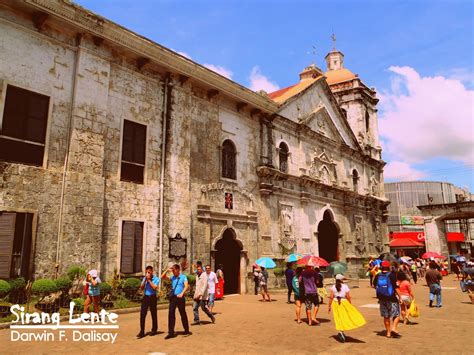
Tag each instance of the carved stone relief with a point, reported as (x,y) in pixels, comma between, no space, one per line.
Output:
(323,168)
(374,185)
(378,237)
(359,238)
(287,238)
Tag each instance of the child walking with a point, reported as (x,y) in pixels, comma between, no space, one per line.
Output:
(346,316)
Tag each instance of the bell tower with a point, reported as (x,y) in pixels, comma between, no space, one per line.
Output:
(358,102)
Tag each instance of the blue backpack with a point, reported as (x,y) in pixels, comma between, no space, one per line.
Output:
(384,286)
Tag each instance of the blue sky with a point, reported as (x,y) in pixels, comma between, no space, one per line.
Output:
(417,54)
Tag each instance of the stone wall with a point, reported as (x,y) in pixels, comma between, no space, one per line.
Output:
(106,84)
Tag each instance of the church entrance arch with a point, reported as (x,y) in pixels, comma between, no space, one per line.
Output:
(227,253)
(328,235)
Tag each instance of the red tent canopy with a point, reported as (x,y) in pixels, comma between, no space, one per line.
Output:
(405,243)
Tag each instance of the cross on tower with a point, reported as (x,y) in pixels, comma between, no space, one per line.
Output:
(333,38)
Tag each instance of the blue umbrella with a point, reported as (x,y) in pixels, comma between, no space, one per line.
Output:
(294,257)
(266,262)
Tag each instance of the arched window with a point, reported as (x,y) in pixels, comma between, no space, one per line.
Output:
(344,112)
(355,180)
(283,155)
(228,160)
(367,120)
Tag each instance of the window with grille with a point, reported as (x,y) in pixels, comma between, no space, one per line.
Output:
(228,160)
(132,247)
(355,180)
(283,157)
(133,152)
(23,127)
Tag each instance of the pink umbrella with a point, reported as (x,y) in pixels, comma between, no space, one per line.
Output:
(312,260)
(432,254)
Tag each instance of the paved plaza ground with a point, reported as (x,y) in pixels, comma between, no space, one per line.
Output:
(246,326)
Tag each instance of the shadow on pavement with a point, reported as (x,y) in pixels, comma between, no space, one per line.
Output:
(348,339)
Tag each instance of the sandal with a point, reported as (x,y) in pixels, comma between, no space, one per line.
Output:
(395,334)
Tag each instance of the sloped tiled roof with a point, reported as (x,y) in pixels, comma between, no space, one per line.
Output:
(282,95)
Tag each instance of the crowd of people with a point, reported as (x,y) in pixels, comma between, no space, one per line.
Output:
(393,283)
(207,283)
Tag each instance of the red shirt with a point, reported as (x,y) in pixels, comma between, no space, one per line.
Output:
(405,288)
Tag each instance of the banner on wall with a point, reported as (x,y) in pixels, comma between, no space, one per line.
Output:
(412,220)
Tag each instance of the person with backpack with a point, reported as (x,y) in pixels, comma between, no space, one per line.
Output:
(388,294)
(299,293)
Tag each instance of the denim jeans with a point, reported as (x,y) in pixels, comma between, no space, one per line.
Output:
(435,291)
(203,305)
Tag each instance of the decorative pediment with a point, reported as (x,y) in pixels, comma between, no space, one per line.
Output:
(320,121)
(323,168)
(323,157)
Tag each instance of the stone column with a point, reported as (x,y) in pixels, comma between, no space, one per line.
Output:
(263,142)
(269,125)
(243,272)
(435,236)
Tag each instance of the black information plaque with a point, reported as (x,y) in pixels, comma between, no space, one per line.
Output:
(178,246)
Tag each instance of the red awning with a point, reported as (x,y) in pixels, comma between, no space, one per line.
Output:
(455,236)
(416,236)
(405,243)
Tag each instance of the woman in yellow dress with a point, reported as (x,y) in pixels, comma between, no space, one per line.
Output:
(346,316)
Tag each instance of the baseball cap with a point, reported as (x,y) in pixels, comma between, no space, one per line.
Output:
(385,263)
(339,277)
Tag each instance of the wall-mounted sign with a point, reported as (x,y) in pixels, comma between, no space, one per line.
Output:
(229,201)
(410,220)
(178,246)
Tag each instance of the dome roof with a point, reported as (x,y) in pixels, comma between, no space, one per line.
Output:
(339,75)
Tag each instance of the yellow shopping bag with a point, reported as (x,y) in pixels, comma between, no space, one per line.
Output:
(413,311)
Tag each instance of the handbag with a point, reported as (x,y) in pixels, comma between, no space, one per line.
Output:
(170,294)
(85,290)
(413,311)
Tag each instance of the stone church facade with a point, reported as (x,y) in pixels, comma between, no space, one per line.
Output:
(112,147)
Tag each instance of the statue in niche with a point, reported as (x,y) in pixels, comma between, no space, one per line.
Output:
(358,235)
(324,175)
(374,185)
(313,170)
(378,239)
(287,239)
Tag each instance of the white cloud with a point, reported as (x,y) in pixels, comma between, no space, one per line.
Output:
(400,171)
(220,70)
(426,118)
(258,81)
(464,75)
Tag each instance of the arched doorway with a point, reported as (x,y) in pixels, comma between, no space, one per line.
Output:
(328,238)
(228,254)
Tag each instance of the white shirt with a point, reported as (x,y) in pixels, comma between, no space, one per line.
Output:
(212,280)
(342,293)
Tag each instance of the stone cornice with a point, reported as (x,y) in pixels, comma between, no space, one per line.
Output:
(267,174)
(98,26)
